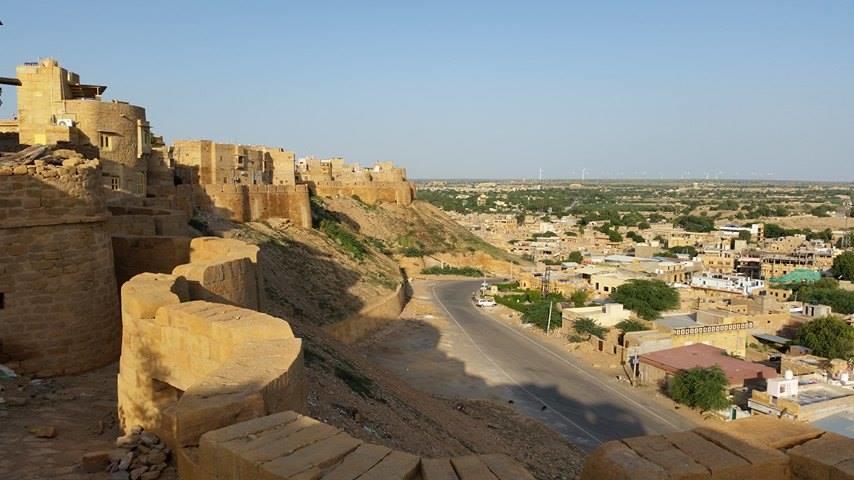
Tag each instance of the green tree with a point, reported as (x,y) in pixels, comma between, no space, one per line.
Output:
(647,298)
(695,223)
(576,257)
(579,297)
(588,327)
(635,237)
(614,236)
(829,337)
(843,266)
(703,388)
(744,235)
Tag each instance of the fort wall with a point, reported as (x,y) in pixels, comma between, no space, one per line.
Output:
(246,203)
(370,318)
(58,303)
(401,192)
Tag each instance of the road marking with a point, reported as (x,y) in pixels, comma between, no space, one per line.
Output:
(579,369)
(532,394)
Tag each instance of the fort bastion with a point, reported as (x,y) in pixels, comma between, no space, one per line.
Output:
(58,301)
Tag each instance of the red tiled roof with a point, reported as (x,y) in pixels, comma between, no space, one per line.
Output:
(674,360)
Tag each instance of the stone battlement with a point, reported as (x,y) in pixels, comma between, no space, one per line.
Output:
(45,194)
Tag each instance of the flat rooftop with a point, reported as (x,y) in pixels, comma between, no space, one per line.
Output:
(675,360)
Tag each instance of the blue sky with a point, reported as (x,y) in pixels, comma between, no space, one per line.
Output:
(742,89)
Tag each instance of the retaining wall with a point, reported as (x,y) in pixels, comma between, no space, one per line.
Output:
(371,193)
(370,318)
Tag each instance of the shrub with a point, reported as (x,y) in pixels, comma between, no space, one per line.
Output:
(579,297)
(631,326)
(703,388)
(413,252)
(344,238)
(448,270)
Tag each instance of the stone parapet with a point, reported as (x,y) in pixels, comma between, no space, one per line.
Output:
(761,448)
(287,445)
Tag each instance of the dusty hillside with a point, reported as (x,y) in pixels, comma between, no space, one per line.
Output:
(421,233)
(317,277)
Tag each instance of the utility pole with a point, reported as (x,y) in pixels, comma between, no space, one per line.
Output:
(549,324)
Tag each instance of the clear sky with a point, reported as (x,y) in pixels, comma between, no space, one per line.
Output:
(486,89)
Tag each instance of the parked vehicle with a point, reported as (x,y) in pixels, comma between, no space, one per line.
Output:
(486,302)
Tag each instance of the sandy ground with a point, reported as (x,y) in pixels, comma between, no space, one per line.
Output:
(82,410)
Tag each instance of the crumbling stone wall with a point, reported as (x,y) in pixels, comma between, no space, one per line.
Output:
(59,309)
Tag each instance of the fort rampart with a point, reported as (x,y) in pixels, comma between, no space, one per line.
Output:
(246,203)
(401,193)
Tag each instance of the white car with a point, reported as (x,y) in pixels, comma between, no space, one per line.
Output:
(486,302)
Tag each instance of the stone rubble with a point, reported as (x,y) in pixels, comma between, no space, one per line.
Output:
(139,455)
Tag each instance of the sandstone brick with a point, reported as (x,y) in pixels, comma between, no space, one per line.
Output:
(360,461)
(722,463)
(505,468)
(437,469)
(657,449)
(395,466)
(616,461)
(470,467)
(322,454)
(818,458)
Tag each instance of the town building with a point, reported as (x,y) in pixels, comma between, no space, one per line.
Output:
(656,367)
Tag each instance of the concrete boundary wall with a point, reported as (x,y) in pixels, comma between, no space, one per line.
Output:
(370,318)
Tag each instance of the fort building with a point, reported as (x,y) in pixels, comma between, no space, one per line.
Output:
(333,177)
(54,107)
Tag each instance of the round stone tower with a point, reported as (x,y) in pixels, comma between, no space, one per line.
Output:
(59,310)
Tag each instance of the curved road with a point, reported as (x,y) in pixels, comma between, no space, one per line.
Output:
(545,382)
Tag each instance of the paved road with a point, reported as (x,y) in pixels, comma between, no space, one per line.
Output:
(545,382)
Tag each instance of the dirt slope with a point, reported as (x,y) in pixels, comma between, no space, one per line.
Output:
(320,276)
